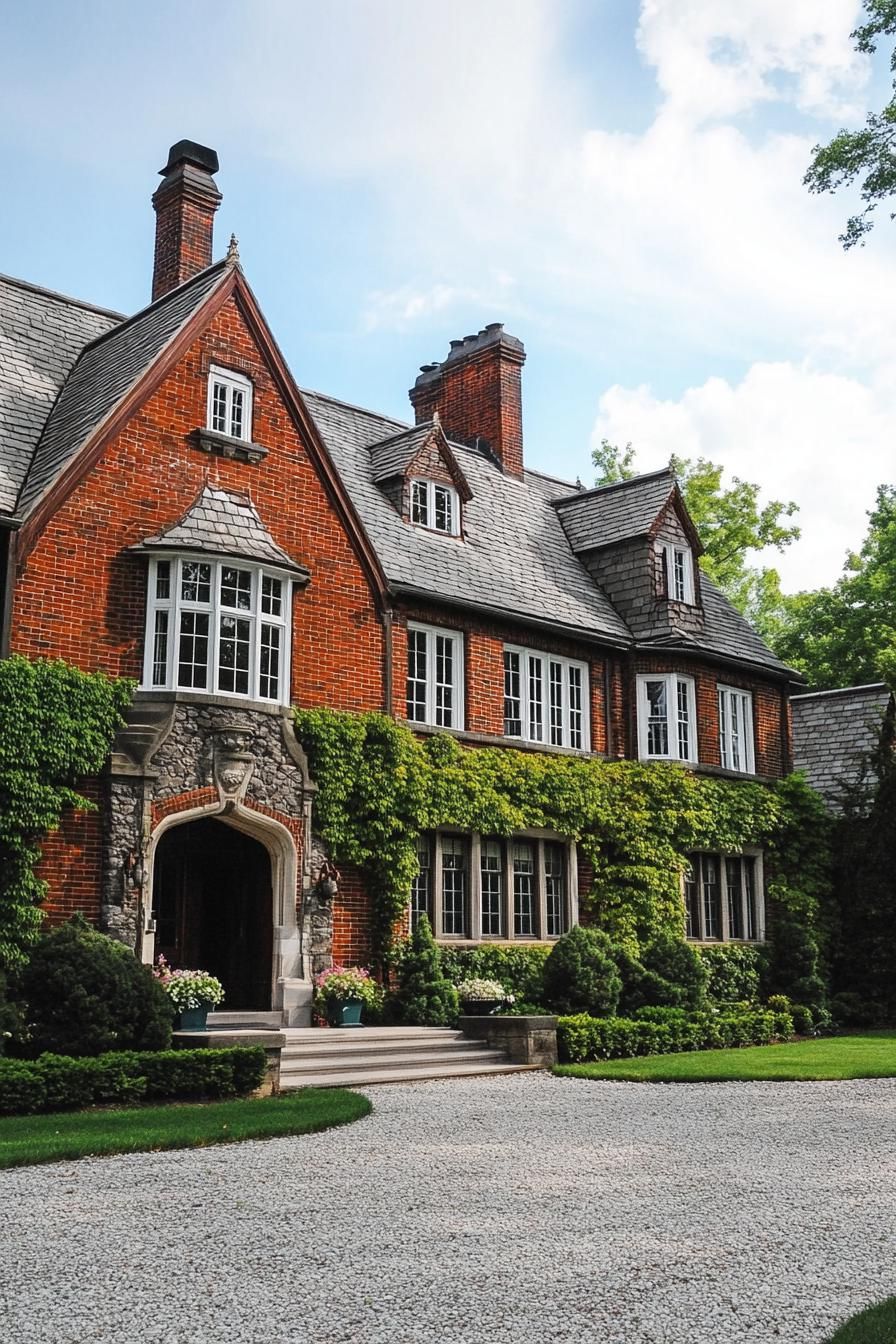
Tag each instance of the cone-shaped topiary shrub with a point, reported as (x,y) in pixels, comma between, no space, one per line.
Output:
(580,974)
(86,993)
(425,997)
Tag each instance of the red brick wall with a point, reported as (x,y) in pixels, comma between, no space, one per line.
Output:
(184,226)
(72,863)
(484,668)
(479,396)
(767,724)
(352,916)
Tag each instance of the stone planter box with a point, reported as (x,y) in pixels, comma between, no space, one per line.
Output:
(527,1040)
(218,1038)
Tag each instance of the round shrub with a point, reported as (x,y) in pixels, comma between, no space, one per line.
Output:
(580,974)
(86,993)
(675,973)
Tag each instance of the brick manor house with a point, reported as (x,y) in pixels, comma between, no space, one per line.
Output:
(175,509)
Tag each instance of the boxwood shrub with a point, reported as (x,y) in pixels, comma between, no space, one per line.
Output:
(662,1031)
(64,1082)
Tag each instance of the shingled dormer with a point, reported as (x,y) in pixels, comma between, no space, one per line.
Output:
(420,474)
(638,542)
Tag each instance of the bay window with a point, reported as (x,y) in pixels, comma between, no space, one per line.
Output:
(435,679)
(545,699)
(667,717)
(736,730)
(217,626)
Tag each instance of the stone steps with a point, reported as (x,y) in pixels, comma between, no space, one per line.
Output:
(342,1057)
(247,1021)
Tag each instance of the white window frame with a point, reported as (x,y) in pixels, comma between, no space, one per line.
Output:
(672,682)
(728,893)
(683,591)
(425,496)
(541,719)
(230,383)
(736,749)
(546,848)
(174,604)
(433,713)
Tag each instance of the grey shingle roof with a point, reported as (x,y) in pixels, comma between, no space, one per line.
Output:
(725,632)
(104,372)
(41,336)
(391,456)
(514,556)
(222,522)
(613,513)
(834,735)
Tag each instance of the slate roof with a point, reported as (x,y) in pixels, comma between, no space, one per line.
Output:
(104,372)
(614,513)
(834,735)
(222,522)
(390,457)
(724,632)
(41,337)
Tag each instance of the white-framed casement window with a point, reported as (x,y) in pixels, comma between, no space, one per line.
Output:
(678,565)
(723,898)
(219,626)
(435,506)
(736,730)
(435,680)
(229,403)
(667,717)
(486,888)
(545,699)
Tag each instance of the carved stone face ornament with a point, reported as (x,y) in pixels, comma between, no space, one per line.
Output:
(233,762)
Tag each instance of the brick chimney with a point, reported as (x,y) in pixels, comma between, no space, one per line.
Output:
(185,206)
(477,393)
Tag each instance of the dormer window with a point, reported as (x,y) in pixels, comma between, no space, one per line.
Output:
(229,403)
(436,507)
(678,563)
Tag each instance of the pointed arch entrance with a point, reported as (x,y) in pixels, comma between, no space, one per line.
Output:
(213,905)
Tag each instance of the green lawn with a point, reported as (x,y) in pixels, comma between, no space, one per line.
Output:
(26,1139)
(871,1055)
(877,1325)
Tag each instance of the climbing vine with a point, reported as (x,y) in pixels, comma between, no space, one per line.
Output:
(56,726)
(379,787)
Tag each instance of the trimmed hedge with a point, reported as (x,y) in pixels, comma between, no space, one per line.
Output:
(666,1031)
(519,969)
(63,1082)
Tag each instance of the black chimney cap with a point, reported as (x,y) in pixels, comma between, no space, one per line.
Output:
(187,151)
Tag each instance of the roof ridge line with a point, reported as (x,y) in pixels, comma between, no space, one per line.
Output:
(353,406)
(60,297)
(615,485)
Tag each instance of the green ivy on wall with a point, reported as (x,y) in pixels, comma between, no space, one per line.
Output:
(379,787)
(56,726)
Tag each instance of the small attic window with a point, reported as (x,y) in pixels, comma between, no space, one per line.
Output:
(229,403)
(436,507)
(678,563)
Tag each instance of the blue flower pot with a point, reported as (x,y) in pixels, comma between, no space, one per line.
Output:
(193,1019)
(345,1013)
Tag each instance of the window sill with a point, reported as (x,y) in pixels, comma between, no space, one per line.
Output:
(223,445)
(463,942)
(232,702)
(718,771)
(726,942)
(495,740)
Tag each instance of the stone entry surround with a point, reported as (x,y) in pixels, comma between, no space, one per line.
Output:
(182,757)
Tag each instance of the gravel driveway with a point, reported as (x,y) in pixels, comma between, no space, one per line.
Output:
(489,1211)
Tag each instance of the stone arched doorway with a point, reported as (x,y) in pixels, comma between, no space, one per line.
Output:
(213,907)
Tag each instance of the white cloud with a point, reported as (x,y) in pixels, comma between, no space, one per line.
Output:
(821,439)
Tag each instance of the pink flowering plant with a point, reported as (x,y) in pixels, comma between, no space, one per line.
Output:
(188,989)
(341,983)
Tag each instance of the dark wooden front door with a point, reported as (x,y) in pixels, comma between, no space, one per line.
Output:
(213,907)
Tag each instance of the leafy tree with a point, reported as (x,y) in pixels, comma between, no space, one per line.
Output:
(732,525)
(866,156)
(845,635)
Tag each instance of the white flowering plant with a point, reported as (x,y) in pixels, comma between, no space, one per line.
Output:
(340,983)
(470,990)
(188,989)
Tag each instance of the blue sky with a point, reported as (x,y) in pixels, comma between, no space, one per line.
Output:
(619,182)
